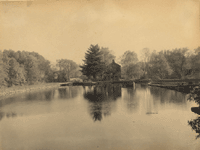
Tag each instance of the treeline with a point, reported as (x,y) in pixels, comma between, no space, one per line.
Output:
(22,67)
(179,63)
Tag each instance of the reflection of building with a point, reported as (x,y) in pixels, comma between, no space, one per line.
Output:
(113,72)
(102,93)
(101,100)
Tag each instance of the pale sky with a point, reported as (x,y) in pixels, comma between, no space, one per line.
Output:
(65,29)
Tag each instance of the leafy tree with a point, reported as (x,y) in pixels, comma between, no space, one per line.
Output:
(3,72)
(16,73)
(195,63)
(129,57)
(68,69)
(31,67)
(93,64)
(178,62)
(159,66)
(145,59)
(133,71)
(129,62)
(35,67)
(197,50)
(106,56)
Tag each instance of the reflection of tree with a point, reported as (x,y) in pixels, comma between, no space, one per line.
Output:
(8,115)
(43,95)
(8,100)
(195,124)
(96,111)
(49,95)
(100,100)
(131,100)
(68,92)
(166,95)
(143,86)
(177,97)
(1,115)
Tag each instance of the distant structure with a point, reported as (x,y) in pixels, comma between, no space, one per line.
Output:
(113,72)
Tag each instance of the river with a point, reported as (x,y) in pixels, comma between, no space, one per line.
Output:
(99,117)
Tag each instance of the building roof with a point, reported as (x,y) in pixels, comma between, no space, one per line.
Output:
(113,67)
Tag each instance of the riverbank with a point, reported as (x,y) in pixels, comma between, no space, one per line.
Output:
(6,92)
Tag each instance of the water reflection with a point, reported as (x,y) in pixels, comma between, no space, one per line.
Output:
(43,95)
(1,115)
(168,96)
(8,115)
(68,92)
(101,99)
(8,101)
(36,101)
(143,86)
(131,99)
(68,117)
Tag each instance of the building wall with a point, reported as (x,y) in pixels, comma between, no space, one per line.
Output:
(113,72)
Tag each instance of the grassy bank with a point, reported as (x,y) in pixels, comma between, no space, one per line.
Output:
(4,92)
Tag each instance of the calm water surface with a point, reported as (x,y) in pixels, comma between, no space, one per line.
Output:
(101,118)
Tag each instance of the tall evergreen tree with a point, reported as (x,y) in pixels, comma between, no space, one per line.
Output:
(93,64)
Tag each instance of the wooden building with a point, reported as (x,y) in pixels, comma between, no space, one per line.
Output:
(113,72)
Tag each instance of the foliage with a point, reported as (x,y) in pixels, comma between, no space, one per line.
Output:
(129,57)
(178,61)
(23,67)
(159,66)
(3,73)
(130,67)
(68,68)
(106,56)
(145,60)
(133,71)
(16,73)
(195,63)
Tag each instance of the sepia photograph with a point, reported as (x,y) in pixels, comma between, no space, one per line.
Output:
(99,74)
